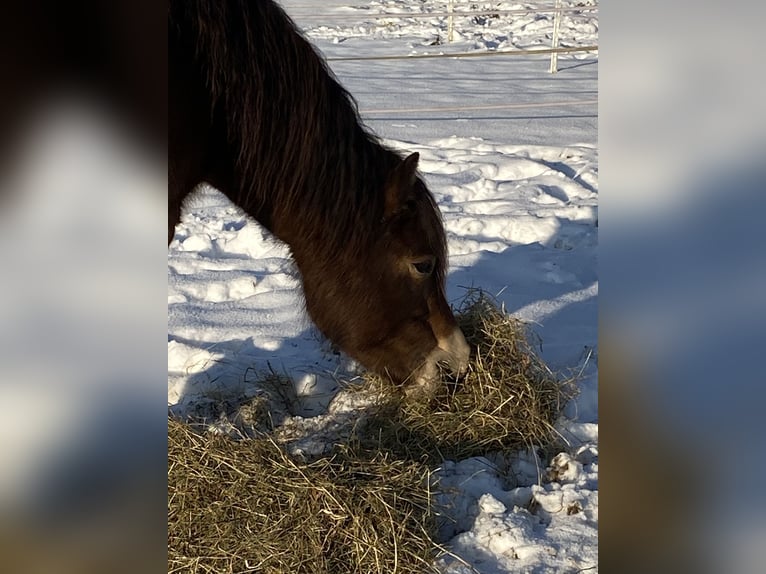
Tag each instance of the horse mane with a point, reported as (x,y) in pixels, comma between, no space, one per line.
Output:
(299,143)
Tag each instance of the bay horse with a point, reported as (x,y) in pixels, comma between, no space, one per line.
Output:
(255,112)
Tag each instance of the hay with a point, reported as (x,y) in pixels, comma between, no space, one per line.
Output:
(508,399)
(246,506)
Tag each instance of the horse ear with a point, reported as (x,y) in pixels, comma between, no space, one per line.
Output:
(401,183)
(408,169)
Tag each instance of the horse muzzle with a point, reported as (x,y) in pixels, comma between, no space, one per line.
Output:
(451,353)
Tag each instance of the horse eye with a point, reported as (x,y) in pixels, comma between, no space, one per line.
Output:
(424,267)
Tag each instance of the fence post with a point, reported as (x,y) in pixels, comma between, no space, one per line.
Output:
(450,23)
(555,43)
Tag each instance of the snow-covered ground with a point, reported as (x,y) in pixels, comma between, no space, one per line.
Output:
(516,177)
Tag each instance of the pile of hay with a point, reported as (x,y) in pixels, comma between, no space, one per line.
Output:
(246,506)
(508,399)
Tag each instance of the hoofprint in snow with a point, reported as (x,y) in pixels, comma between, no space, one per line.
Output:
(521,222)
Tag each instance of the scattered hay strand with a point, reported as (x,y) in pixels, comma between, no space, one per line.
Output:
(508,399)
(247,506)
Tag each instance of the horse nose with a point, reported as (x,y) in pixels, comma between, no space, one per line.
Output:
(457,351)
(451,351)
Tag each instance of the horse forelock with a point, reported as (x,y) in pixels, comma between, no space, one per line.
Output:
(440,250)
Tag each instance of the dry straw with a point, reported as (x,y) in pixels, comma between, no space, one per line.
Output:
(508,399)
(246,506)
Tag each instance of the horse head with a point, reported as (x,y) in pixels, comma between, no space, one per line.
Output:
(384,304)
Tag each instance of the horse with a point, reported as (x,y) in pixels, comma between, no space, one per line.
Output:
(255,112)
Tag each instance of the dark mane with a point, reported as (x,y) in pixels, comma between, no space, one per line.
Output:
(284,112)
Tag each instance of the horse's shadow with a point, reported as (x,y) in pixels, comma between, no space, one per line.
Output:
(300,378)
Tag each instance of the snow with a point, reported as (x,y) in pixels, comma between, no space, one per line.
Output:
(518,188)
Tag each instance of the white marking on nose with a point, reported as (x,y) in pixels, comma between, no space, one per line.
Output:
(457,350)
(453,351)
